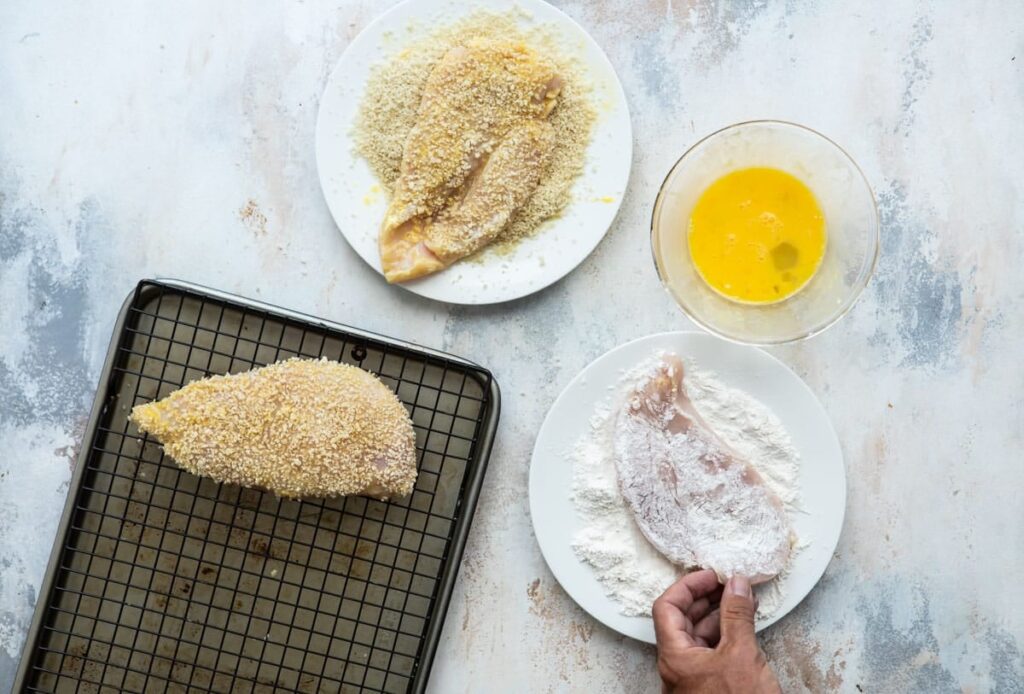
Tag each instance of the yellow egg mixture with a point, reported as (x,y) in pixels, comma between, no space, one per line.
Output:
(757,235)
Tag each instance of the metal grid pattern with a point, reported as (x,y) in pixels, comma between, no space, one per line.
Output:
(170,582)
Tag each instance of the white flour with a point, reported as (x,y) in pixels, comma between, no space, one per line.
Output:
(632,572)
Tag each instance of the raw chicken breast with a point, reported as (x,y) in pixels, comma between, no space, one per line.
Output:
(475,155)
(299,428)
(697,501)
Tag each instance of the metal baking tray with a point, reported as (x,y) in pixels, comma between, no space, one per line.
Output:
(163,581)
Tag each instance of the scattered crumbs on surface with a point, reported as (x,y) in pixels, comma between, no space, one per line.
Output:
(605,199)
(533,589)
(372,195)
(521,11)
(253,217)
(391,101)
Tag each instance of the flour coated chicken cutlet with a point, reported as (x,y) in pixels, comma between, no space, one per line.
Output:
(696,501)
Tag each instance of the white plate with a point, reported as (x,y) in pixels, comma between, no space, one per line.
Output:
(353,194)
(822,476)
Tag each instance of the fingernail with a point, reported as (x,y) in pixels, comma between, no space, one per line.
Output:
(739,585)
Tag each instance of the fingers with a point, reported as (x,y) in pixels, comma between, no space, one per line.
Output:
(689,588)
(691,600)
(670,624)
(698,610)
(737,611)
(708,629)
(701,607)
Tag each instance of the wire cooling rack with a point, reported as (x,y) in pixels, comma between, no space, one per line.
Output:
(164,581)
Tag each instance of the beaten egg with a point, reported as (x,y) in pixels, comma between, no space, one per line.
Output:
(757,235)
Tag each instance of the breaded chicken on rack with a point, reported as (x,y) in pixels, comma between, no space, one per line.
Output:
(299,428)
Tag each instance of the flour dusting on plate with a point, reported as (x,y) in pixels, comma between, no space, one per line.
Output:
(630,570)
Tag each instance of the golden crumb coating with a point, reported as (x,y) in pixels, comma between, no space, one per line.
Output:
(475,95)
(503,185)
(299,428)
(396,93)
(473,158)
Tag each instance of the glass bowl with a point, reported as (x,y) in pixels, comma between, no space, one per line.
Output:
(851,224)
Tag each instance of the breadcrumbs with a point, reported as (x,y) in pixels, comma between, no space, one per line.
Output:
(299,428)
(393,94)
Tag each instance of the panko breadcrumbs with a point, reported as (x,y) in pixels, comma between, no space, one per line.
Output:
(393,94)
(299,428)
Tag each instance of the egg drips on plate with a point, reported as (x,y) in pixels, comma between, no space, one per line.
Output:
(757,235)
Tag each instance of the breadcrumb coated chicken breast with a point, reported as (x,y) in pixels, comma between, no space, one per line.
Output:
(299,428)
(501,187)
(475,155)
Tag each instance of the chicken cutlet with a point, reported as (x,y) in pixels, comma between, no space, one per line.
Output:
(299,428)
(696,501)
(475,155)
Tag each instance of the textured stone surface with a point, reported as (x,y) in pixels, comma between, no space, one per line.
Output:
(177,140)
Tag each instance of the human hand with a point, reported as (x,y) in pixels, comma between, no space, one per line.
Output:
(706,642)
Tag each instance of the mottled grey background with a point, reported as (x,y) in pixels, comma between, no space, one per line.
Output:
(176,139)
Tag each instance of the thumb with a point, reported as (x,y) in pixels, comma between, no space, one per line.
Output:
(737,611)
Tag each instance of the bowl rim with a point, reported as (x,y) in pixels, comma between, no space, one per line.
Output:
(858,289)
